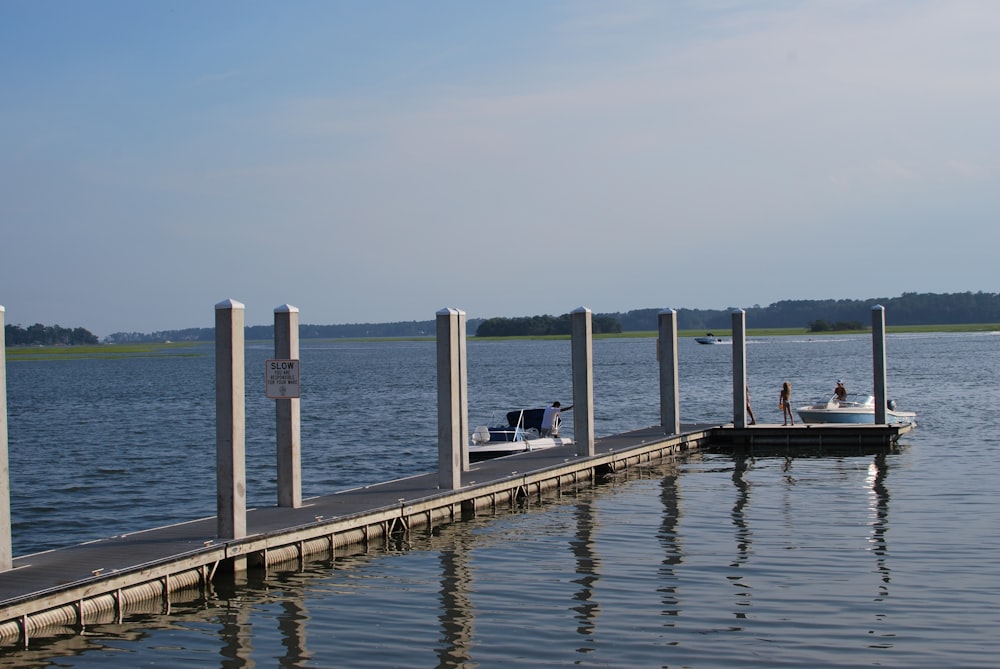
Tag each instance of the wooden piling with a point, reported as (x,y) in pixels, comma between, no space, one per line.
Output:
(583,380)
(878,363)
(450,394)
(6,550)
(670,405)
(230,417)
(739,367)
(287,411)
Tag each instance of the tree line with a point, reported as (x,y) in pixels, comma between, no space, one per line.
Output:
(535,326)
(265,332)
(47,335)
(907,309)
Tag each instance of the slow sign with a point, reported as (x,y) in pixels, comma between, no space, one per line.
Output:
(282,378)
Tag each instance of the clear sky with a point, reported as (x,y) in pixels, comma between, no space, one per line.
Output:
(379,161)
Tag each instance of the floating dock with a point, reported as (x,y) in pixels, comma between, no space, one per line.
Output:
(71,587)
(107,579)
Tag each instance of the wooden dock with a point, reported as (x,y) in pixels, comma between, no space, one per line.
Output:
(74,586)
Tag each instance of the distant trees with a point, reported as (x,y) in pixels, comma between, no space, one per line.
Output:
(839,326)
(47,335)
(908,309)
(306,331)
(537,326)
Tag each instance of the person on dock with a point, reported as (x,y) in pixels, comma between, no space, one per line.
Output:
(753,421)
(550,419)
(785,402)
(840,392)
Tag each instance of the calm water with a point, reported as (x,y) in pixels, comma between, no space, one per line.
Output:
(708,562)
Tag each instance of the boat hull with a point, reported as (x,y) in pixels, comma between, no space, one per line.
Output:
(812,414)
(499,449)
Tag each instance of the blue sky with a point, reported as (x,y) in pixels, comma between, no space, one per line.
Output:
(379,161)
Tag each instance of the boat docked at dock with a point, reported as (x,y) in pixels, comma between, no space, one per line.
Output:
(522,432)
(855,408)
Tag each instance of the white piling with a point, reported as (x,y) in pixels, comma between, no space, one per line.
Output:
(670,405)
(451,397)
(739,317)
(878,363)
(463,388)
(230,420)
(287,411)
(583,380)
(6,547)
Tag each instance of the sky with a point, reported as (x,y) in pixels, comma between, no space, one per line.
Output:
(380,161)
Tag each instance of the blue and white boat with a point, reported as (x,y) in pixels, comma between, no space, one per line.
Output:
(519,434)
(856,408)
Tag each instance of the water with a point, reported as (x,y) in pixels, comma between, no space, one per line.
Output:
(706,562)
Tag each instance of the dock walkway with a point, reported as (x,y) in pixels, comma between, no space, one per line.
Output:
(74,585)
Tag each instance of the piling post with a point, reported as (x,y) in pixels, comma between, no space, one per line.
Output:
(670,406)
(739,317)
(287,411)
(583,380)
(6,547)
(878,363)
(230,420)
(450,394)
(463,389)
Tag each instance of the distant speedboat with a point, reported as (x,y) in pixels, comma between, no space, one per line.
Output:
(854,409)
(710,338)
(519,434)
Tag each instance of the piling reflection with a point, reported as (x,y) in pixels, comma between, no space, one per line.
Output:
(743,534)
(234,630)
(878,471)
(588,563)
(457,615)
(668,542)
(292,623)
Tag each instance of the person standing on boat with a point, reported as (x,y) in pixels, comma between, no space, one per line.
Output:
(840,391)
(550,419)
(785,402)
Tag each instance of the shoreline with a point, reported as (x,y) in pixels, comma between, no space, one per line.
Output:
(39,353)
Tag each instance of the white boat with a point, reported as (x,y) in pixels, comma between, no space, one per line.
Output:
(519,434)
(710,338)
(856,408)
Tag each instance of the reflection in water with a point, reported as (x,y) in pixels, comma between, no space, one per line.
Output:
(877,473)
(236,635)
(457,614)
(787,468)
(879,505)
(668,541)
(587,569)
(292,624)
(743,533)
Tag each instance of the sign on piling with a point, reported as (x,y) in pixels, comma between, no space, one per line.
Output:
(282,378)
